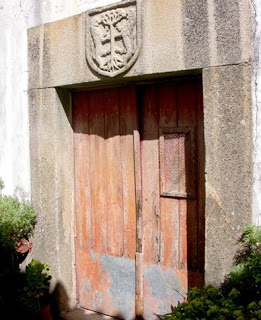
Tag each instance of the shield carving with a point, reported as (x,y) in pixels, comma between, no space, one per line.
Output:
(113,37)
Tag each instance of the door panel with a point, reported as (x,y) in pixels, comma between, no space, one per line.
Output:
(171,139)
(161,282)
(139,197)
(104,122)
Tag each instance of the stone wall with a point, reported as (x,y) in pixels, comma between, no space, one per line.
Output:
(212,37)
(256,98)
(176,36)
(228,139)
(209,37)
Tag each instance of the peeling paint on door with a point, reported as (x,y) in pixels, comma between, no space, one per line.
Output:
(139,197)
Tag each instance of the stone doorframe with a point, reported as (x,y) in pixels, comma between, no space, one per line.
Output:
(196,39)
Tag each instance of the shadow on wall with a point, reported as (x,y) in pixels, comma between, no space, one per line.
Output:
(59,300)
(12,282)
(222,240)
(15,300)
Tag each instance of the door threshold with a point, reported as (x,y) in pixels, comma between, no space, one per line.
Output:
(83,314)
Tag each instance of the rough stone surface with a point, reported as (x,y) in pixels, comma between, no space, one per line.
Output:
(52,189)
(256,105)
(177,35)
(228,139)
(121,24)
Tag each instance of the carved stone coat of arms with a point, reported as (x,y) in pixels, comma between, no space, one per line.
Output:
(113,38)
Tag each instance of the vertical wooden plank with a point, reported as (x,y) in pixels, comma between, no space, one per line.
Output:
(81,169)
(138,190)
(128,124)
(114,205)
(167,105)
(170,232)
(183,247)
(139,299)
(98,171)
(201,176)
(188,208)
(169,207)
(192,238)
(150,177)
(186,104)
(138,207)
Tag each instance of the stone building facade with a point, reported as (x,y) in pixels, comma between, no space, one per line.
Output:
(50,51)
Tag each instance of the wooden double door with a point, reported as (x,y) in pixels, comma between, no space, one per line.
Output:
(139,196)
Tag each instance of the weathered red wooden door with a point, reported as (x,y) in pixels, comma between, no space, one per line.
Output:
(139,197)
(172,175)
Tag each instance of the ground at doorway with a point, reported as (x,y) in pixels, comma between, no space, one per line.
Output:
(82,314)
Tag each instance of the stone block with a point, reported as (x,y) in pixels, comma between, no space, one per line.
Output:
(175,35)
(52,189)
(228,140)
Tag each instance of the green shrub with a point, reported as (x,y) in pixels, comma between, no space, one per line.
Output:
(2,185)
(208,304)
(245,276)
(37,283)
(239,296)
(17,221)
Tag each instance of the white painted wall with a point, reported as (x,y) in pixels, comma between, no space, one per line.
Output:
(16,16)
(256,98)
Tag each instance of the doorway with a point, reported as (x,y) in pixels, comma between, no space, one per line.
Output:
(139,196)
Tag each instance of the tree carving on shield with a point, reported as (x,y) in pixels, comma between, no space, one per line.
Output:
(113,38)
